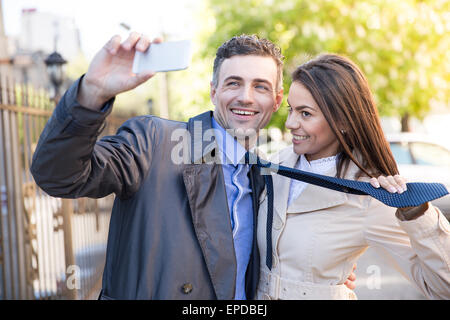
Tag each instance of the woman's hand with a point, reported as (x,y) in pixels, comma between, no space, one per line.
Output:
(350,282)
(392,184)
(395,184)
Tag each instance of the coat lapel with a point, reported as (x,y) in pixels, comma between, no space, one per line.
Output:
(315,198)
(282,184)
(211,220)
(207,198)
(312,198)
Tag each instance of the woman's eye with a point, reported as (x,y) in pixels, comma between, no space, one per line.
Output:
(306,113)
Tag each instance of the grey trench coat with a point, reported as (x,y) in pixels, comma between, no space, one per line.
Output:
(170,233)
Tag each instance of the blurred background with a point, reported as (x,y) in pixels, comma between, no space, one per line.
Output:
(54,249)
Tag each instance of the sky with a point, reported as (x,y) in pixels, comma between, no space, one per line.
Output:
(99,20)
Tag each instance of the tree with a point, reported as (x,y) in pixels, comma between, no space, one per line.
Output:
(403,46)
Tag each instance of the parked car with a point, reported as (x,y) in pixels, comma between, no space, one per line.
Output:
(422,159)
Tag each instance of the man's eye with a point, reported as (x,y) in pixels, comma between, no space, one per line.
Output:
(233,83)
(261,87)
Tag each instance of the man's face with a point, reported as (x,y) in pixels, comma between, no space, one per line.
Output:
(245,96)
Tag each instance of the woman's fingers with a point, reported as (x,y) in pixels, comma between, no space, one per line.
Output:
(384,183)
(350,284)
(352,277)
(401,181)
(392,184)
(374,182)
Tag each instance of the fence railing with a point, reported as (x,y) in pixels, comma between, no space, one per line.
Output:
(49,248)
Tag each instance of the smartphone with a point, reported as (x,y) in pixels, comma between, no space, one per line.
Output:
(163,57)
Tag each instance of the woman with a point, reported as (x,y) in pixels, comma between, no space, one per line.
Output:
(318,234)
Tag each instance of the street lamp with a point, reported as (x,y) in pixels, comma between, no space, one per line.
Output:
(55,63)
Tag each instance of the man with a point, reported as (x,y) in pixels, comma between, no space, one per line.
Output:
(178,230)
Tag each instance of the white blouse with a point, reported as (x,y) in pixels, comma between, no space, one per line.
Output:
(319,166)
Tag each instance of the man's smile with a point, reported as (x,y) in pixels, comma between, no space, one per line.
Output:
(243,113)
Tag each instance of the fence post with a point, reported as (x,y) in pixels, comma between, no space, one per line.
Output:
(67,212)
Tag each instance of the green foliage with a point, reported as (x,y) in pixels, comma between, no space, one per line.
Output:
(402,46)
(76,67)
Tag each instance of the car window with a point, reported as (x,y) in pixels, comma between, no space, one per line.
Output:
(401,153)
(430,154)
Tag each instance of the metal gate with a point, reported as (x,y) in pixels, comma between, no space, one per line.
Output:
(50,248)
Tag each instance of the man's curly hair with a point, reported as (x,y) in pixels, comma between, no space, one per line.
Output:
(248,45)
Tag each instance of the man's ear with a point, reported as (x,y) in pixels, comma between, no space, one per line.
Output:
(278,100)
(212,92)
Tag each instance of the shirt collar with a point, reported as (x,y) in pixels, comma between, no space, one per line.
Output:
(228,146)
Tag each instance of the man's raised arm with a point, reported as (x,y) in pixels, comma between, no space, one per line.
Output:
(68,161)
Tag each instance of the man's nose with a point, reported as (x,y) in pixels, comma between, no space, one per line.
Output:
(246,95)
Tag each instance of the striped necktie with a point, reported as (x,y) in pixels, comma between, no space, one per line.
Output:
(417,193)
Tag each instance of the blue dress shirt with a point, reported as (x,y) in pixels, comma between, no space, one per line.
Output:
(239,198)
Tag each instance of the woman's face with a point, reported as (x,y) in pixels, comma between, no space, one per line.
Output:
(312,136)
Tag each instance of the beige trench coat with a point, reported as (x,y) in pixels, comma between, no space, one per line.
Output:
(318,238)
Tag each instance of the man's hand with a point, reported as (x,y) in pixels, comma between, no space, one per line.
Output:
(392,184)
(350,282)
(110,72)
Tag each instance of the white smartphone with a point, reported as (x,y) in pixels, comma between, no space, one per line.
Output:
(163,57)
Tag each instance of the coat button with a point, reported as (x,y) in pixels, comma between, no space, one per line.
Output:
(186,288)
(277,224)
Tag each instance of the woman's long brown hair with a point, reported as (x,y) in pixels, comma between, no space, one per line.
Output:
(342,92)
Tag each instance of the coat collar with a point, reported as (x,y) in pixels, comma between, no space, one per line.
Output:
(200,149)
(313,197)
(205,189)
